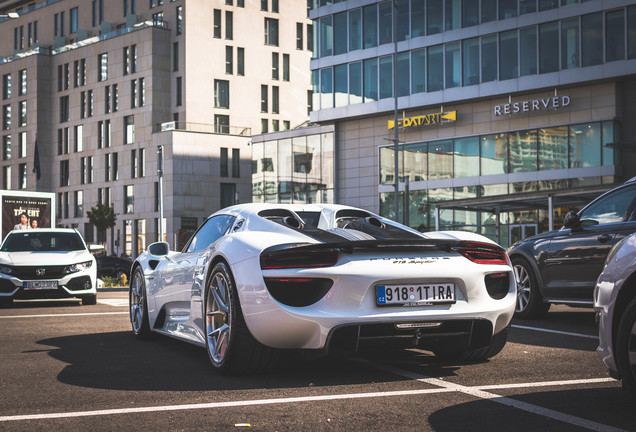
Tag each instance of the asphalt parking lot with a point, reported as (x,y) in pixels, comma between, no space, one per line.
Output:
(72,367)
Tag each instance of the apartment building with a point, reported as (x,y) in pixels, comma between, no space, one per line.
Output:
(102,87)
(509,112)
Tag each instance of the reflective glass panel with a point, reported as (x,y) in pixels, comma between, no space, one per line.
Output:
(453,65)
(370,80)
(528,51)
(592,39)
(355,29)
(418,23)
(340,29)
(370,29)
(440,159)
(508,55)
(489,58)
(585,145)
(466,157)
(494,154)
(355,83)
(470,53)
(434,16)
(418,71)
(435,68)
(402,18)
(340,85)
(570,43)
(414,161)
(523,151)
(385,15)
(615,39)
(549,47)
(386,77)
(553,148)
(403,84)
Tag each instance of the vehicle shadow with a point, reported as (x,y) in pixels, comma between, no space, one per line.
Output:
(119,361)
(602,407)
(558,329)
(44,303)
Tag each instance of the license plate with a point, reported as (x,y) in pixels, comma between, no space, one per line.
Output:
(40,285)
(416,294)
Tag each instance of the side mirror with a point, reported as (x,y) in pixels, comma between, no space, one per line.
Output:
(159,249)
(571,220)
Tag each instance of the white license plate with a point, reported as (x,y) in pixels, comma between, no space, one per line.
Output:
(416,294)
(40,285)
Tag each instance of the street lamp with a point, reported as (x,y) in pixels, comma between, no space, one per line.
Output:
(12,15)
(160,174)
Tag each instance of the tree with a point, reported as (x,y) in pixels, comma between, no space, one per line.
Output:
(102,216)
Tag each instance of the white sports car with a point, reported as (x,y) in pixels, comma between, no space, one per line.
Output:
(47,263)
(258,278)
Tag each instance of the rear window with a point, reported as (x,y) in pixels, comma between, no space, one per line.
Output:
(33,241)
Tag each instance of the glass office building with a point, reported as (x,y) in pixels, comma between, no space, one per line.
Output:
(496,99)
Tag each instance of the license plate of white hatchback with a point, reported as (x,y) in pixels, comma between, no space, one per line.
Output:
(40,285)
(415,294)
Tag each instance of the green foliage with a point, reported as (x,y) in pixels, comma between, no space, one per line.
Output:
(102,216)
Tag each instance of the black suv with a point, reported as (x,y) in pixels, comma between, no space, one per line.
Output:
(562,266)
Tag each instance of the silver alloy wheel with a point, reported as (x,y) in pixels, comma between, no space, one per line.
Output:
(523,287)
(218,317)
(137,302)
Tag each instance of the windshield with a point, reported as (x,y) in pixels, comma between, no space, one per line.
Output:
(43,242)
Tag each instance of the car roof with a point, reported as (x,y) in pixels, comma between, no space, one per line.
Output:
(60,230)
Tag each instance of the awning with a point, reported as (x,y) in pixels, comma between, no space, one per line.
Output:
(546,200)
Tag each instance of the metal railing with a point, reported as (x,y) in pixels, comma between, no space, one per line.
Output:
(204,128)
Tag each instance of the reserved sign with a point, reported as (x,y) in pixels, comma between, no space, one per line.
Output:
(532,105)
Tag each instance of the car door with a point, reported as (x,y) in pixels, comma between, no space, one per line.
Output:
(190,269)
(576,255)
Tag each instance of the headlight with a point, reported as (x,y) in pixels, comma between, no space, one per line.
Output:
(6,270)
(79,267)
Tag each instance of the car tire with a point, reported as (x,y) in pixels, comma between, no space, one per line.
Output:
(498,343)
(138,305)
(89,300)
(530,302)
(626,348)
(231,347)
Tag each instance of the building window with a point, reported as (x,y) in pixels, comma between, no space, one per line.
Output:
(64,110)
(115,97)
(221,94)
(6,117)
(264,5)
(236,163)
(111,169)
(78,136)
(224,162)
(73,20)
(64,172)
(271,31)
(22,144)
(134,94)
(592,39)
(229,60)
(299,36)
(179,89)
(275,100)
(107,97)
(615,38)
(275,64)
(79,204)
(137,169)
(221,123)
(240,61)
(22,90)
(264,126)
(228,194)
(6,147)
(217,23)
(129,193)
(22,118)
(179,28)
(22,176)
(142,92)
(129,129)
(6,86)
(175,56)
(6,177)
(285,67)
(229,30)
(102,61)
(264,99)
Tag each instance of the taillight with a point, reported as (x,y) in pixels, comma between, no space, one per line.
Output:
(482,253)
(298,292)
(290,258)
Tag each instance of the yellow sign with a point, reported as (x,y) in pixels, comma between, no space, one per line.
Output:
(426,120)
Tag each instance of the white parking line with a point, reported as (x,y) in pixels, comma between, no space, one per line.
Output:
(441,387)
(114,302)
(62,315)
(478,392)
(555,331)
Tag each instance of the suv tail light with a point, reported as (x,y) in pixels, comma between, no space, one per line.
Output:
(482,253)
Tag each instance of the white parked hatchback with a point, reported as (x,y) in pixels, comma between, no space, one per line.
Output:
(47,263)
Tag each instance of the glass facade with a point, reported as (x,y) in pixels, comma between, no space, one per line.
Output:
(294,169)
(514,152)
(570,43)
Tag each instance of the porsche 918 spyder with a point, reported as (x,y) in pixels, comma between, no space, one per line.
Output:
(256,279)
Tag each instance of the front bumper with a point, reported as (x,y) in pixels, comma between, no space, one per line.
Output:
(77,284)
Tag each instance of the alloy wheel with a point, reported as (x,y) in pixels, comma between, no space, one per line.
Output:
(523,287)
(218,317)
(137,302)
